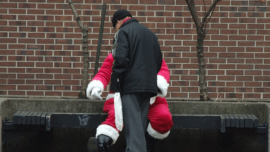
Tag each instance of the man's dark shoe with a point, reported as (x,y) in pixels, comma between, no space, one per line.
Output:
(150,142)
(104,142)
(92,145)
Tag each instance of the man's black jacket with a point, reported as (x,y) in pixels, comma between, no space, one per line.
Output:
(137,59)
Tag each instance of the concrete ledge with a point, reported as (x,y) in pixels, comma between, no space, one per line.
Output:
(10,105)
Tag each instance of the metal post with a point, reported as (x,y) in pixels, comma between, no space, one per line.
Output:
(100,38)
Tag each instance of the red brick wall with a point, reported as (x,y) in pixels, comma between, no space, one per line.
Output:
(41,45)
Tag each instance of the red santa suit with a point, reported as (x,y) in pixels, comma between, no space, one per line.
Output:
(159,115)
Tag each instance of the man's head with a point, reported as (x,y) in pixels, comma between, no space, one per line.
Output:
(118,17)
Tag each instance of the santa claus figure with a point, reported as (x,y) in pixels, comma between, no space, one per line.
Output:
(160,119)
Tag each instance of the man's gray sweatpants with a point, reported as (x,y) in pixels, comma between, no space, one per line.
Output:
(135,112)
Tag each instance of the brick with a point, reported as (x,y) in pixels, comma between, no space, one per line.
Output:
(53,58)
(35,11)
(26,17)
(26,40)
(35,23)
(25,64)
(26,76)
(45,41)
(179,95)
(34,93)
(215,72)
(43,87)
(244,90)
(234,84)
(247,20)
(8,17)
(17,35)
(35,47)
(17,11)
(253,72)
(54,82)
(253,84)
(46,29)
(262,66)
(36,35)
(8,40)
(263,32)
(44,64)
(8,5)
(234,95)
(8,29)
(16,81)
(27,29)
(7,76)
(217,60)
(17,46)
(7,64)
(245,55)
(234,72)
(265,84)
(34,81)
(255,14)
(55,12)
(53,47)
(255,61)
(226,78)
(62,64)
(228,31)
(54,93)
(262,43)
(262,20)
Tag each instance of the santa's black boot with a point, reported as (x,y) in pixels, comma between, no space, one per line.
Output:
(104,142)
(150,142)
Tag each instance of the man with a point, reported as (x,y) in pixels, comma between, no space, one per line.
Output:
(137,60)
(160,119)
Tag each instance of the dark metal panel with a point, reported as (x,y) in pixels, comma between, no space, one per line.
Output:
(38,115)
(34,118)
(43,118)
(232,120)
(48,121)
(197,121)
(241,121)
(222,123)
(248,123)
(228,120)
(24,117)
(75,120)
(255,121)
(29,118)
(237,119)
(16,117)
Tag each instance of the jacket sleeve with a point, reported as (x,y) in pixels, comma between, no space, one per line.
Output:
(120,60)
(102,78)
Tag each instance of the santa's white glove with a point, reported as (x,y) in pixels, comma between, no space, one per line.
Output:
(96,92)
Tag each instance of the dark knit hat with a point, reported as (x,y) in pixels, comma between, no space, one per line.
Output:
(119,15)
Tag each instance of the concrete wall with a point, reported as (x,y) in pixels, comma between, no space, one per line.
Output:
(187,140)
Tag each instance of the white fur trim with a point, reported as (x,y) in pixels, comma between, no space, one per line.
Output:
(156,134)
(109,96)
(108,131)
(162,85)
(93,84)
(152,100)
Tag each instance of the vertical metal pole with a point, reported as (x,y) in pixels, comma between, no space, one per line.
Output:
(100,38)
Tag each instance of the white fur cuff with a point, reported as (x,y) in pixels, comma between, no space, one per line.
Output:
(162,85)
(109,96)
(156,134)
(108,131)
(93,84)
